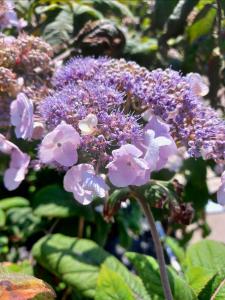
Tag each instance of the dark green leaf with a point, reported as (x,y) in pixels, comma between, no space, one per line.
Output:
(22,222)
(2,218)
(148,270)
(75,261)
(60,29)
(52,201)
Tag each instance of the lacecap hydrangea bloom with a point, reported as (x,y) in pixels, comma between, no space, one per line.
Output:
(111,123)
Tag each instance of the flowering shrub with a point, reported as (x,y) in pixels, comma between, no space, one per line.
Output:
(92,141)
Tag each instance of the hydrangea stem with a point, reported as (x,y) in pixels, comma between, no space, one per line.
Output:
(158,247)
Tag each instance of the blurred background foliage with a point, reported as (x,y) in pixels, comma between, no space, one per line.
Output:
(46,223)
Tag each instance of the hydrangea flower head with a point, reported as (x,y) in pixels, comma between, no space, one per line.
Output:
(85,185)
(169,95)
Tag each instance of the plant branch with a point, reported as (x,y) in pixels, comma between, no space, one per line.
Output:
(158,247)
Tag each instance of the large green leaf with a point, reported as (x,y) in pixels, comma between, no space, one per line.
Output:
(52,201)
(111,286)
(134,282)
(75,261)
(206,254)
(8,203)
(210,257)
(148,270)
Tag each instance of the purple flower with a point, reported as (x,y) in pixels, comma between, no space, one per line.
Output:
(94,109)
(166,148)
(221,191)
(60,145)
(21,111)
(127,167)
(152,148)
(199,87)
(18,166)
(85,185)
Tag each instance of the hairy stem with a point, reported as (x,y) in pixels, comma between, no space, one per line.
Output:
(158,247)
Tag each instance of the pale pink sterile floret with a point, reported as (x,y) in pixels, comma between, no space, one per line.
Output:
(198,86)
(18,166)
(167,147)
(127,167)
(60,146)
(221,191)
(85,185)
(21,112)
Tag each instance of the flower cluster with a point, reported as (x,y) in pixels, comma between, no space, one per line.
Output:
(25,66)
(109,122)
(168,94)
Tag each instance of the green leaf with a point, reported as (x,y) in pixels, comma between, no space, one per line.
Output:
(8,203)
(148,270)
(210,256)
(83,14)
(52,201)
(22,222)
(161,12)
(58,30)
(198,278)
(4,244)
(215,289)
(206,254)
(111,286)
(75,261)
(2,218)
(134,282)
(23,267)
(196,189)
(112,6)
(177,250)
(203,24)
